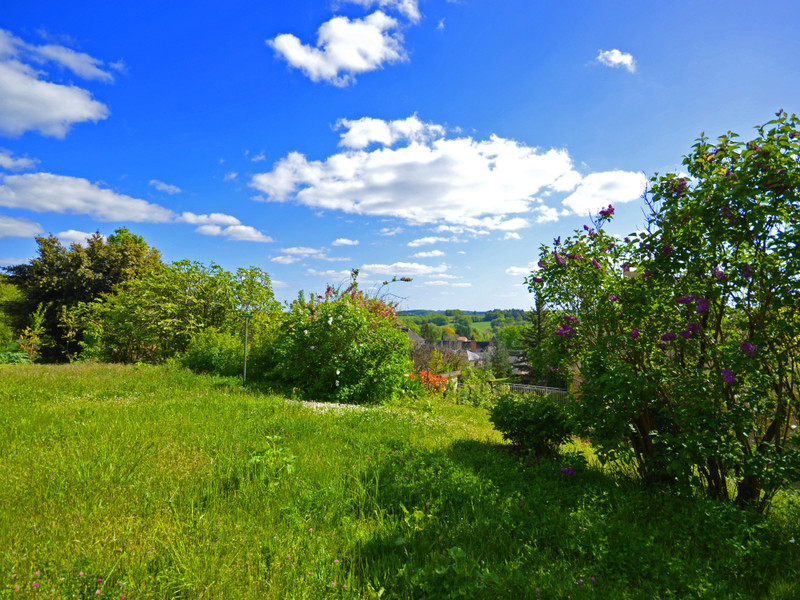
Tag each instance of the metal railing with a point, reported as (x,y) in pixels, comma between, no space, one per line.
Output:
(557,394)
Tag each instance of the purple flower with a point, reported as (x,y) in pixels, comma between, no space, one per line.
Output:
(574,256)
(572,319)
(702,305)
(719,274)
(747,271)
(635,333)
(586,228)
(690,331)
(668,337)
(568,471)
(685,299)
(559,260)
(667,249)
(537,279)
(748,348)
(607,212)
(596,264)
(541,263)
(613,298)
(679,185)
(728,376)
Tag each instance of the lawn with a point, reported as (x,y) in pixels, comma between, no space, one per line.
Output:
(150,482)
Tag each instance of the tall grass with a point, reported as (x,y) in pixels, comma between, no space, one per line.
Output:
(149,482)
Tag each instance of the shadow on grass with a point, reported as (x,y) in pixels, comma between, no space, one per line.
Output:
(475,521)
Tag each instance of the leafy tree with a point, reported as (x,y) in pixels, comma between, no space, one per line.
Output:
(64,277)
(430,332)
(501,365)
(155,316)
(9,294)
(689,368)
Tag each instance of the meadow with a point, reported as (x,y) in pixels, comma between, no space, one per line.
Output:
(152,482)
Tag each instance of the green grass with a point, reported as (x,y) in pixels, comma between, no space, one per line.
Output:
(164,484)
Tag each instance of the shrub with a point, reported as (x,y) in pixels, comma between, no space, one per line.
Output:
(211,351)
(533,424)
(13,358)
(344,346)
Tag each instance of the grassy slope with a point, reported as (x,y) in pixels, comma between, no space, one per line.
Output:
(165,484)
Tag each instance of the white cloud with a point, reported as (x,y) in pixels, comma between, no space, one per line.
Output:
(344,48)
(279,284)
(598,190)
(615,58)
(165,187)
(29,103)
(71,236)
(285,259)
(210,219)
(79,63)
(259,157)
(512,236)
(344,242)
(232,175)
(366,130)
(390,231)
(431,254)
(481,184)
(45,192)
(11,227)
(7,161)
(408,8)
(237,233)
(518,271)
(402,269)
(440,26)
(426,241)
(330,274)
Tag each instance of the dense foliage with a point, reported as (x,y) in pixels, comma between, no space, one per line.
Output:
(343,346)
(60,278)
(688,366)
(155,316)
(535,424)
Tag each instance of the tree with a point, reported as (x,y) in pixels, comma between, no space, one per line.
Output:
(501,365)
(686,335)
(155,316)
(64,277)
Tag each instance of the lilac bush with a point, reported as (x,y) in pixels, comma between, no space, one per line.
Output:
(692,373)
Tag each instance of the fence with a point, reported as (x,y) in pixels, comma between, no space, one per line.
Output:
(537,390)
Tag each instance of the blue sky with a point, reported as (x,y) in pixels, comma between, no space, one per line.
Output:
(439,139)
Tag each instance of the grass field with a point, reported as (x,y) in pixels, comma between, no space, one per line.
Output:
(149,482)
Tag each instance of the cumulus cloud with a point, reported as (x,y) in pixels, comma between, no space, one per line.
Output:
(298,253)
(237,233)
(617,59)
(344,48)
(11,227)
(511,235)
(7,161)
(365,131)
(518,271)
(427,241)
(344,242)
(72,236)
(407,8)
(45,192)
(210,219)
(489,184)
(30,103)
(165,187)
(430,254)
(598,190)
(402,269)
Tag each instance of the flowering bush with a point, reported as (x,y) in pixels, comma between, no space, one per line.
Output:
(343,346)
(431,382)
(689,364)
